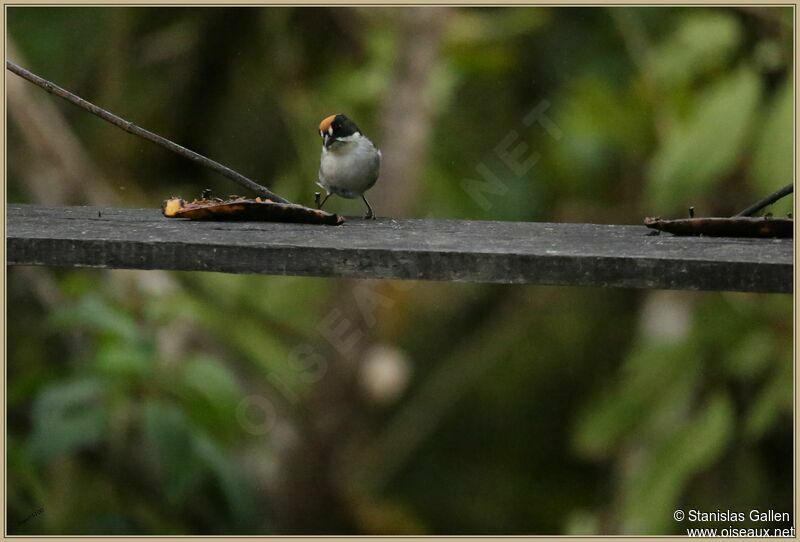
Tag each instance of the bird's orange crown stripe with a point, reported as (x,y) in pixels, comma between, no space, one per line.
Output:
(326,122)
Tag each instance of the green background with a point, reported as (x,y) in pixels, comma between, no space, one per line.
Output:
(202,403)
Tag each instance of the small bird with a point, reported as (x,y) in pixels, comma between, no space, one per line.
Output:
(350,162)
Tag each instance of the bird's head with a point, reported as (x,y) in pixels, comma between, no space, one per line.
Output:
(337,128)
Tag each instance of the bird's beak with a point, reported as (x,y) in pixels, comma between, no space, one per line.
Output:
(325,140)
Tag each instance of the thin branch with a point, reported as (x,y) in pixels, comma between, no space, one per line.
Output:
(144,134)
(769,200)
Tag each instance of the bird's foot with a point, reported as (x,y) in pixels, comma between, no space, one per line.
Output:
(370,216)
(317,197)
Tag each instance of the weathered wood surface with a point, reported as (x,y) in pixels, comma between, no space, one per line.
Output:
(499,252)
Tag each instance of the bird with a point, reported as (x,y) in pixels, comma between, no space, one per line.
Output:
(349,164)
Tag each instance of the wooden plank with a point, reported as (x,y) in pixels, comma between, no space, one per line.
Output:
(498,252)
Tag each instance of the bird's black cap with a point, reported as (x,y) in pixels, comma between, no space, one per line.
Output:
(337,126)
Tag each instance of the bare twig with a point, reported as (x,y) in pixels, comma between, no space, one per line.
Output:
(144,134)
(769,200)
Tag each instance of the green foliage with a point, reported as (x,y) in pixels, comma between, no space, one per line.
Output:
(175,416)
(529,410)
(608,124)
(773,158)
(94,313)
(651,493)
(210,392)
(700,149)
(703,42)
(185,458)
(67,417)
(657,378)
(646,419)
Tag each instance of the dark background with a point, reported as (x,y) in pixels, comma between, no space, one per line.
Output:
(201,403)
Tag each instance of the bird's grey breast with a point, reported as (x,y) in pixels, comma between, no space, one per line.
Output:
(349,168)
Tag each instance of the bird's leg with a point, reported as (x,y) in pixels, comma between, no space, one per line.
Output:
(370,212)
(316,200)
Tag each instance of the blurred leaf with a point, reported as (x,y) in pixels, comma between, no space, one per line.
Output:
(125,361)
(653,372)
(66,417)
(187,457)
(773,162)
(774,398)
(751,354)
(654,491)
(473,27)
(97,314)
(260,344)
(211,379)
(702,148)
(275,301)
(44,38)
(604,123)
(211,393)
(235,488)
(481,43)
(168,440)
(25,486)
(704,41)
(769,55)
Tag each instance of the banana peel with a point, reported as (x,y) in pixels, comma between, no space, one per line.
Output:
(240,208)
